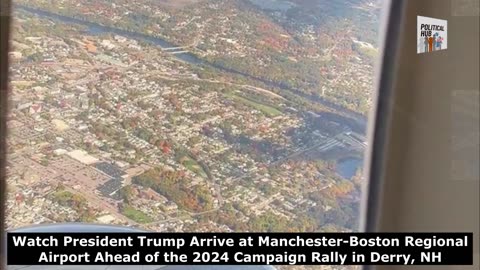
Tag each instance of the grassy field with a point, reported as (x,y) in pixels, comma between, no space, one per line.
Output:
(136,215)
(62,196)
(268,110)
(193,166)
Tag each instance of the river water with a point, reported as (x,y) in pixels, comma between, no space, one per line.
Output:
(347,168)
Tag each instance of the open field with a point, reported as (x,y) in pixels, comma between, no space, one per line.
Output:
(266,109)
(136,215)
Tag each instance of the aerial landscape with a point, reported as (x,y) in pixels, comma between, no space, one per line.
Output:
(191,115)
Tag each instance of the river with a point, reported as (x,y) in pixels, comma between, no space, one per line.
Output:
(347,167)
(95,28)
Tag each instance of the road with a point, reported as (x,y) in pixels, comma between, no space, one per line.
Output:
(266,202)
(190,214)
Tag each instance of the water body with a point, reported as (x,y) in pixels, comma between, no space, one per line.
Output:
(347,168)
(95,29)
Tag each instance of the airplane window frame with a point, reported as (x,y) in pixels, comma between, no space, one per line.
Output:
(380,115)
